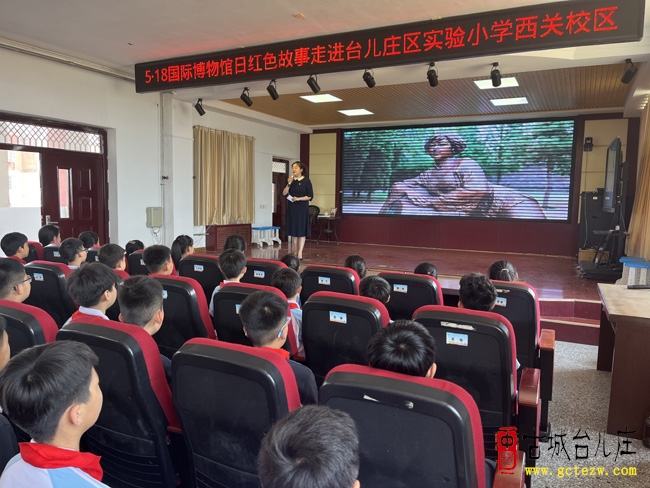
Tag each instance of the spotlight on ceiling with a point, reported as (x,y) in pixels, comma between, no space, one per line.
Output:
(432,74)
(273,89)
(630,71)
(199,107)
(313,83)
(495,75)
(369,79)
(245,97)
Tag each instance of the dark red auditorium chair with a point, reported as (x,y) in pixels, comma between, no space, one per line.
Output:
(409,291)
(51,253)
(186,313)
(136,263)
(227,397)
(35,252)
(49,289)
(92,255)
(414,432)
(113,312)
(336,329)
(204,268)
(328,278)
(259,271)
(27,326)
(131,434)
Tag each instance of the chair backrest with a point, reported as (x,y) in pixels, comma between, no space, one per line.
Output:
(313,215)
(477,351)
(227,300)
(259,271)
(49,289)
(336,329)
(518,303)
(27,326)
(204,268)
(35,251)
(328,278)
(51,253)
(412,431)
(227,397)
(186,313)
(131,432)
(113,312)
(136,263)
(409,291)
(92,255)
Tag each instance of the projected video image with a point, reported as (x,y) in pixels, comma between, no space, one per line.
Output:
(507,171)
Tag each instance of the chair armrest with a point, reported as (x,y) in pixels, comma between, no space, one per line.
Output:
(529,412)
(547,339)
(512,479)
(546,362)
(529,386)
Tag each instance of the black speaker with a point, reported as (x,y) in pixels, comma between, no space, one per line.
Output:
(592,218)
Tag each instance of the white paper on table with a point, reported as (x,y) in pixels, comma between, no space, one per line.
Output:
(290,198)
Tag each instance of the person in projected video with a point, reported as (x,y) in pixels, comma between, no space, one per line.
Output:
(457,186)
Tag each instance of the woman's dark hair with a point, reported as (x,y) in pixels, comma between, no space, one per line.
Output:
(358,264)
(235,242)
(503,271)
(426,269)
(132,246)
(458,145)
(179,247)
(291,260)
(301,166)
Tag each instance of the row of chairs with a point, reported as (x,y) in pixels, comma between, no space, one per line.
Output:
(38,252)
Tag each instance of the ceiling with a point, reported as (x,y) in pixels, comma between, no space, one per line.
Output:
(113,36)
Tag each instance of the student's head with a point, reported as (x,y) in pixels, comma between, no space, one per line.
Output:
(232,263)
(5,351)
(73,251)
(158,260)
(89,238)
(93,283)
(49,234)
(51,387)
(15,284)
(426,269)
(113,256)
(287,281)
(403,346)
(235,242)
(141,302)
(15,244)
(132,246)
(264,317)
(477,292)
(358,264)
(292,261)
(314,446)
(503,270)
(375,287)
(181,247)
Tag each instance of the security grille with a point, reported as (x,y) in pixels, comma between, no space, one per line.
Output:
(17,133)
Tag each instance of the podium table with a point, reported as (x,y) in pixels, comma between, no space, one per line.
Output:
(325,223)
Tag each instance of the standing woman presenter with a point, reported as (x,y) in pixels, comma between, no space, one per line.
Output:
(299,192)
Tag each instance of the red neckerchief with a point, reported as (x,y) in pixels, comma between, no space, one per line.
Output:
(46,456)
(78,314)
(18,259)
(282,352)
(294,306)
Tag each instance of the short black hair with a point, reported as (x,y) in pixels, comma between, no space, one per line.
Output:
(235,242)
(477,292)
(358,264)
(140,297)
(263,313)
(291,260)
(375,287)
(314,446)
(39,384)
(155,257)
(111,255)
(87,284)
(426,269)
(287,281)
(11,242)
(502,270)
(47,234)
(132,246)
(12,272)
(69,248)
(231,263)
(89,238)
(403,346)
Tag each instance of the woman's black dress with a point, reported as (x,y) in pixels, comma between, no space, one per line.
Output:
(298,212)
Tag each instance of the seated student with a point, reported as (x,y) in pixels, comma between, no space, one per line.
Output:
(290,283)
(132,246)
(292,261)
(232,264)
(181,247)
(158,260)
(405,347)
(15,284)
(8,443)
(89,238)
(113,256)
(503,271)
(358,264)
(94,288)
(73,252)
(314,446)
(426,269)
(476,292)
(49,234)
(375,287)
(235,242)
(264,317)
(52,393)
(141,303)
(15,246)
